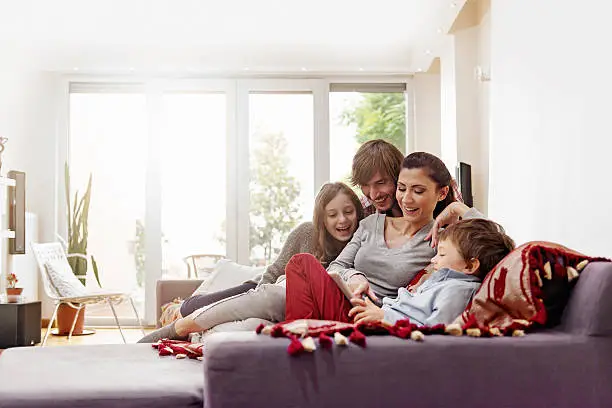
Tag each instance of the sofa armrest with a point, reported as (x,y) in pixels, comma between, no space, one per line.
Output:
(544,369)
(167,290)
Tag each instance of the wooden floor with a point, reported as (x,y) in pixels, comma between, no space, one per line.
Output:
(101,336)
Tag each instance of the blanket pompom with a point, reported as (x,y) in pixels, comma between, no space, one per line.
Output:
(260,328)
(295,347)
(358,338)
(277,331)
(325,341)
(340,339)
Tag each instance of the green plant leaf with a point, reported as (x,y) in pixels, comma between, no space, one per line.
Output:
(94,266)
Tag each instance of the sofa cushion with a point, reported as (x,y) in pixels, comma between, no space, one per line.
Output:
(537,370)
(589,310)
(111,375)
(530,286)
(226,275)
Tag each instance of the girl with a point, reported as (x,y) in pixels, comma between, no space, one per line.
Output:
(336,216)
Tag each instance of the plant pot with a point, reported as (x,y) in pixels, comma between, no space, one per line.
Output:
(65,317)
(13,294)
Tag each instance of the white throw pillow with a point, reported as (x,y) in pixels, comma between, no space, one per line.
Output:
(227,274)
(63,280)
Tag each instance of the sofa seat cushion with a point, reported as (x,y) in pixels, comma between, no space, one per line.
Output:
(537,370)
(114,375)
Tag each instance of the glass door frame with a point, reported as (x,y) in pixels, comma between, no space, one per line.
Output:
(154,90)
(320,90)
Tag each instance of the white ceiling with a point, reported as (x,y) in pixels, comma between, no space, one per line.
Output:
(331,36)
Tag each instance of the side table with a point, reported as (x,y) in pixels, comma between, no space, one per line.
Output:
(20,324)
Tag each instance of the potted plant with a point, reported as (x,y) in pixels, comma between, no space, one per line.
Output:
(77,217)
(12,292)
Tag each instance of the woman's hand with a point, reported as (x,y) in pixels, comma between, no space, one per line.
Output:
(360,286)
(451,214)
(364,311)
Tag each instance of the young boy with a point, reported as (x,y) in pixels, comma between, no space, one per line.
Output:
(467,252)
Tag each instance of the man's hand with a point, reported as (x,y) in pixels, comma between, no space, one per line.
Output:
(364,311)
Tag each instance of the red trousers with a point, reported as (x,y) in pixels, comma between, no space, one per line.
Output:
(311,293)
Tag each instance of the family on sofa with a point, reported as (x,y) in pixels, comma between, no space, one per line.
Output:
(378,256)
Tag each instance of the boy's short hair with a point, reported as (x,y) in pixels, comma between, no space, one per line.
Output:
(479,238)
(376,155)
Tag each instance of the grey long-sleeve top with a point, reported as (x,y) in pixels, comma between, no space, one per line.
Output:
(299,241)
(387,269)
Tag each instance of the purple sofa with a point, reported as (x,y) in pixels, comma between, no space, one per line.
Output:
(569,366)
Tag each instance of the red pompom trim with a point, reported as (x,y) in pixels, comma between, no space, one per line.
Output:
(358,338)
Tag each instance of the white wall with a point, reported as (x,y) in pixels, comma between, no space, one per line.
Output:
(465,116)
(481,178)
(448,104)
(551,133)
(27,118)
(427,113)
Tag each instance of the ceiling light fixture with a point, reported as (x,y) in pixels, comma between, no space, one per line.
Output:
(419,69)
(304,69)
(361,68)
(428,52)
(440,30)
(75,68)
(246,69)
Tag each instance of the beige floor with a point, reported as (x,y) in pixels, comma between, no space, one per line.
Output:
(102,336)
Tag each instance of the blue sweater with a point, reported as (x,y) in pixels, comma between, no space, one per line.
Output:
(440,299)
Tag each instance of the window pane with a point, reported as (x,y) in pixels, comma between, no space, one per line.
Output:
(282,173)
(108,138)
(193,179)
(356,117)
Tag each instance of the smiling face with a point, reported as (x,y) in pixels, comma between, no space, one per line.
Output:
(341,217)
(379,190)
(417,194)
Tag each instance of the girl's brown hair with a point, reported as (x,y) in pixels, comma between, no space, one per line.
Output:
(325,247)
(437,171)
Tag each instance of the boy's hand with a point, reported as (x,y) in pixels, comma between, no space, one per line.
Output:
(364,311)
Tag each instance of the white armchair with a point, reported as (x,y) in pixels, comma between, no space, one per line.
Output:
(64,287)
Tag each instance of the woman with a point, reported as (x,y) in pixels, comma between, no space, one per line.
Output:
(386,253)
(336,215)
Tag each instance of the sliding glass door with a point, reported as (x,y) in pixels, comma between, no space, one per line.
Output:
(219,167)
(193,178)
(109,141)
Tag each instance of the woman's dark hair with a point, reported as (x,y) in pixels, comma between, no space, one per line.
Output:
(437,171)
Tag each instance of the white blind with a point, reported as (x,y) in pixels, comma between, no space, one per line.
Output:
(106,87)
(372,88)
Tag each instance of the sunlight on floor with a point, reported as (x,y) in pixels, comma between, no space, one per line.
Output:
(101,336)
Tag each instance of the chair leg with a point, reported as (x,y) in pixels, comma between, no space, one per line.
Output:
(76,317)
(110,303)
(137,316)
(50,324)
